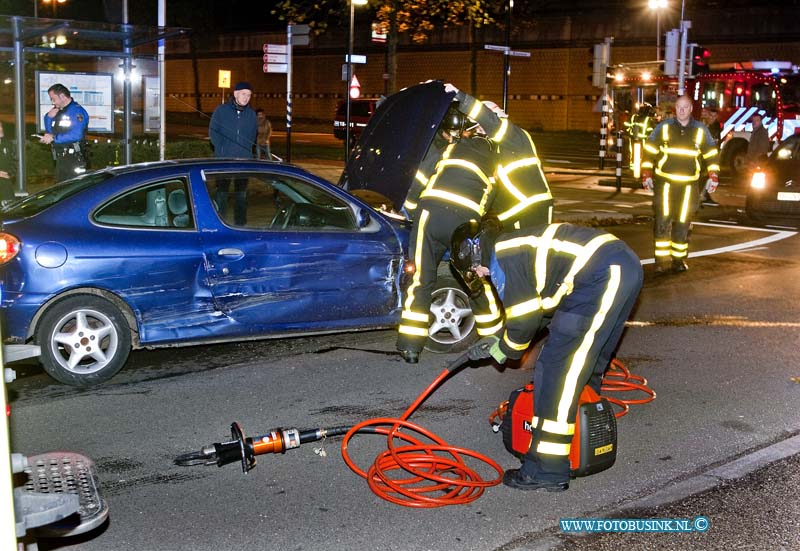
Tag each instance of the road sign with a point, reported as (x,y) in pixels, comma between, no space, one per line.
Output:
(276,68)
(301,40)
(275,58)
(300,29)
(275,49)
(357,58)
(224,79)
(496,48)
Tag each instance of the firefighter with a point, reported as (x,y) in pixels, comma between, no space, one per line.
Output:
(673,155)
(460,190)
(65,131)
(638,129)
(578,282)
(451,127)
(523,196)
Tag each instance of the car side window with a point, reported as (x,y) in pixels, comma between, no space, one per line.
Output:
(272,201)
(163,205)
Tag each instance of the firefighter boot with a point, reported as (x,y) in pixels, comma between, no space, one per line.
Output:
(679,265)
(515,478)
(663,266)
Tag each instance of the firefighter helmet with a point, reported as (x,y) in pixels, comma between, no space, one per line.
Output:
(646,110)
(453,122)
(471,246)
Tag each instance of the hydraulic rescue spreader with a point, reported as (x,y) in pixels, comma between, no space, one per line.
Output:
(436,473)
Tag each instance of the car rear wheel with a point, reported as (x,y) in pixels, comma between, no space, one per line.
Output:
(452,327)
(85,340)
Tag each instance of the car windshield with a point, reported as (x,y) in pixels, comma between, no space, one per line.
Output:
(37,202)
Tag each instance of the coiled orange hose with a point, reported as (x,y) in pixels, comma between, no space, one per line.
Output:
(437,473)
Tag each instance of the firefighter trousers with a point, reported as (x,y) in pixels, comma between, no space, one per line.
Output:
(583,335)
(430,239)
(674,206)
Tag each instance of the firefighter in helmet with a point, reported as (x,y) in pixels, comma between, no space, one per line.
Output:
(674,154)
(450,129)
(523,196)
(460,189)
(581,284)
(638,128)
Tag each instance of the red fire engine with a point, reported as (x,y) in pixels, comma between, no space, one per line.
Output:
(736,91)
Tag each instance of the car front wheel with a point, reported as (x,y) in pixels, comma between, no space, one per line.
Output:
(85,340)
(452,326)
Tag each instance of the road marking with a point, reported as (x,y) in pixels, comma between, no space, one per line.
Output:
(778,235)
(711,322)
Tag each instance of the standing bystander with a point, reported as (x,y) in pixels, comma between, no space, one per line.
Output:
(759,146)
(233,131)
(264,135)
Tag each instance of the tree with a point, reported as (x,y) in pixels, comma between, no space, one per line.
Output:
(416,18)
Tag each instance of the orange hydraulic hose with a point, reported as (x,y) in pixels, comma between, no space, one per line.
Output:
(437,472)
(619,379)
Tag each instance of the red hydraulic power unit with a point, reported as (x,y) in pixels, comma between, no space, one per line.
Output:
(594,444)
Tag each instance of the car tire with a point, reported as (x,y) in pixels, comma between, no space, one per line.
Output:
(452,327)
(85,340)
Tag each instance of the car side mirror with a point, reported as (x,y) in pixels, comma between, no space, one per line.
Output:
(363,218)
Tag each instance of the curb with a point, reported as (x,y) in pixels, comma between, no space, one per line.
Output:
(549,540)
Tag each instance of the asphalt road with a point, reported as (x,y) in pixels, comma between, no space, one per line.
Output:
(717,343)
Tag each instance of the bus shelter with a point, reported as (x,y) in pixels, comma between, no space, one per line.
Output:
(100,62)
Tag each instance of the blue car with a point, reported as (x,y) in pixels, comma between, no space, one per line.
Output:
(203,251)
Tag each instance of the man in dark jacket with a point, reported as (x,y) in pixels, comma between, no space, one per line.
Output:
(233,131)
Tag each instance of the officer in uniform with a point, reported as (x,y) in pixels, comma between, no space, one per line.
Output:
(581,284)
(460,190)
(65,131)
(673,156)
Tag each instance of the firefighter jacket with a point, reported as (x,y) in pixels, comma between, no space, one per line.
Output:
(425,170)
(537,269)
(523,195)
(460,179)
(639,127)
(68,126)
(676,153)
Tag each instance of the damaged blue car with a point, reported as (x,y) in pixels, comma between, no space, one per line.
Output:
(202,251)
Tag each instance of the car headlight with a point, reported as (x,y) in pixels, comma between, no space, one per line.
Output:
(758,181)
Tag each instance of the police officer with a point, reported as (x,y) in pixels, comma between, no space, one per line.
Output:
(673,156)
(460,190)
(581,284)
(65,131)
(523,196)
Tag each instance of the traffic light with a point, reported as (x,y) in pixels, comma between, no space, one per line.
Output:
(600,62)
(355,88)
(699,57)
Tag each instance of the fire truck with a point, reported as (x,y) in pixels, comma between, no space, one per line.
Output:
(736,91)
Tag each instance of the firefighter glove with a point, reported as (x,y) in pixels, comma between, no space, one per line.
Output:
(647,180)
(482,349)
(497,354)
(712,182)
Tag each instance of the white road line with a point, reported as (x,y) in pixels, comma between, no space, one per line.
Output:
(777,236)
(739,322)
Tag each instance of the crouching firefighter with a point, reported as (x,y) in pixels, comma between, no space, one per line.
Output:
(461,189)
(579,283)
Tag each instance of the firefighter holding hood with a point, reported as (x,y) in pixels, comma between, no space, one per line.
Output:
(674,154)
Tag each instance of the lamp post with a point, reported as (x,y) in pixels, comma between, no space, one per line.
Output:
(658,6)
(54,3)
(353,4)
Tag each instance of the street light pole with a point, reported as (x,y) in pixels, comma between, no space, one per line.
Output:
(349,75)
(658,6)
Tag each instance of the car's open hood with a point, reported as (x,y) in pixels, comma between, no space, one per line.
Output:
(393,144)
